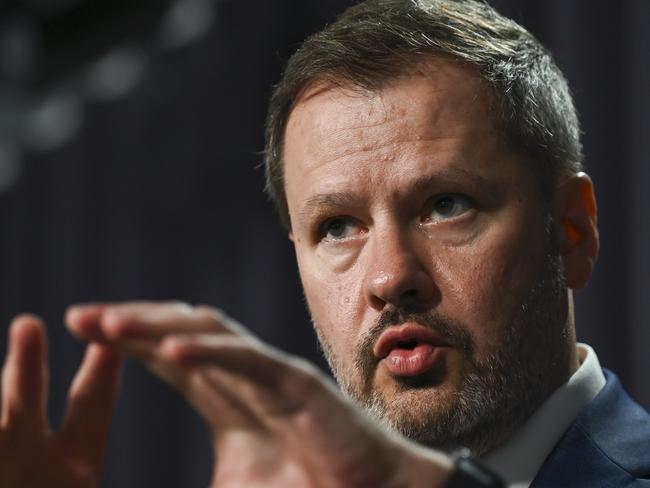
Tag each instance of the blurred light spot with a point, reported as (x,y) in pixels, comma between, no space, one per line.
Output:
(115,74)
(185,21)
(52,122)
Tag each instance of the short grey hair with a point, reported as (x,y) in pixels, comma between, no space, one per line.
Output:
(378,41)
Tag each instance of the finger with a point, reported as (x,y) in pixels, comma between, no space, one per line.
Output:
(25,377)
(155,321)
(83,321)
(247,368)
(228,351)
(217,395)
(269,391)
(145,320)
(91,398)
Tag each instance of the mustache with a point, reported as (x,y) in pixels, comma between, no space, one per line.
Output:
(452,331)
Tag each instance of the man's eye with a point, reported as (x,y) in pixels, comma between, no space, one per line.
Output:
(338,228)
(448,206)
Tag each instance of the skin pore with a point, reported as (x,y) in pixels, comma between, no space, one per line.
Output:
(406,208)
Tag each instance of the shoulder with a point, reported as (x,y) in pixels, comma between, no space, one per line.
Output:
(606,446)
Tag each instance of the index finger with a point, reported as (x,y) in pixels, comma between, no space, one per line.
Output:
(146,320)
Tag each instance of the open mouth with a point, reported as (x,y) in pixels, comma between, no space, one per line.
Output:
(410,349)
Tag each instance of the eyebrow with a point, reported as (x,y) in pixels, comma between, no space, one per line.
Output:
(451,175)
(319,203)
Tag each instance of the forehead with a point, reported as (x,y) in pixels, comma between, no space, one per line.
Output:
(433,89)
(435,118)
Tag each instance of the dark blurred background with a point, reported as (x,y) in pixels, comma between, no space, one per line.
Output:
(155,192)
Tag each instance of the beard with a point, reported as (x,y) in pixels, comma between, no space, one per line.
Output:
(500,388)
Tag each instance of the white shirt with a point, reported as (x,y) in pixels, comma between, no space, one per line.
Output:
(521,457)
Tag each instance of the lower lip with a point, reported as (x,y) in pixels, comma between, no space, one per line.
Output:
(413,362)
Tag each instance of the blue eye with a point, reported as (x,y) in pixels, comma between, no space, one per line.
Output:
(338,228)
(448,206)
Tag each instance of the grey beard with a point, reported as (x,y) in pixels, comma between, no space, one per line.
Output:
(503,389)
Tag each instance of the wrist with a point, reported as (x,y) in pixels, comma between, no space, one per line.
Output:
(420,467)
(470,473)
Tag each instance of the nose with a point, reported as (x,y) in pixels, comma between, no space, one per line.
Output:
(399,273)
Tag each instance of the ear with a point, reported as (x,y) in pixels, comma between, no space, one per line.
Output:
(576,219)
(291,237)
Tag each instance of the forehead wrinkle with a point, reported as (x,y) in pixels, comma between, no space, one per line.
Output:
(374,148)
(359,138)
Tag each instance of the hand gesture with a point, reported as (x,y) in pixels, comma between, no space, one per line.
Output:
(31,455)
(275,420)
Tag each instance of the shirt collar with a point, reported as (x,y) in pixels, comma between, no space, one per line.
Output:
(519,459)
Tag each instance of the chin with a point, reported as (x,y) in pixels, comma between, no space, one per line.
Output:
(444,417)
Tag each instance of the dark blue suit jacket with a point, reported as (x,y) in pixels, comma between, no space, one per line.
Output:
(608,445)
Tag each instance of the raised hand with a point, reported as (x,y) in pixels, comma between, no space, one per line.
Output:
(31,455)
(275,420)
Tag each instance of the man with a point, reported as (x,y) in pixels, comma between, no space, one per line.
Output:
(425,159)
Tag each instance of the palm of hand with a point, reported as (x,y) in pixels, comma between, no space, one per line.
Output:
(43,461)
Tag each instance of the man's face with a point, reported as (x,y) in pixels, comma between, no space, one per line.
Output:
(427,256)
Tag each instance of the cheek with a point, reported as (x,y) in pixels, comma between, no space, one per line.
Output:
(485,285)
(333,301)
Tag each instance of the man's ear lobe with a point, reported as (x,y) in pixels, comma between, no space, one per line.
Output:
(576,217)
(291,238)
